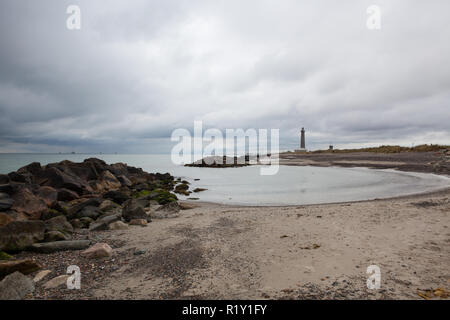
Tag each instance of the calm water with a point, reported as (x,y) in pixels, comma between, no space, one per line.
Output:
(291,186)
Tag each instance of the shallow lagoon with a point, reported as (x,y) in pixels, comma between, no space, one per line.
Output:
(290,186)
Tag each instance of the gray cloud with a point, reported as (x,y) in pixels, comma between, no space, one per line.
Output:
(139,69)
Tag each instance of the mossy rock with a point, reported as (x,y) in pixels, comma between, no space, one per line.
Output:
(142,193)
(199,189)
(164,196)
(4,256)
(182,189)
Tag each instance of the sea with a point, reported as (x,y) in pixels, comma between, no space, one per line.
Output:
(246,186)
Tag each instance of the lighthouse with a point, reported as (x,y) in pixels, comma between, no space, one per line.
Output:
(302,141)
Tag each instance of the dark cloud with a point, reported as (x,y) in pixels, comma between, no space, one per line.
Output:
(139,69)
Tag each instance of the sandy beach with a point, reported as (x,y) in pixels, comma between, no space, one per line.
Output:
(215,251)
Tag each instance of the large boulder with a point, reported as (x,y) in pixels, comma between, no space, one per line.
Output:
(162,196)
(59,224)
(4,196)
(48,194)
(133,210)
(124,181)
(67,195)
(19,235)
(107,182)
(52,236)
(24,266)
(87,170)
(89,212)
(169,210)
(33,168)
(15,287)
(29,204)
(92,202)
(7,188)
(56,178)
(21,178)
(108,205)
(6,204)
(50,247)
(117,196)
(103,223)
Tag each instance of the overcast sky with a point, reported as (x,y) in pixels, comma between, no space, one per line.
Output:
(139,69)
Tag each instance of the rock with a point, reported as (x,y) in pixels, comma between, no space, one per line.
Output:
(24,266)
(56,178)
(4,196)
(67,195)
(49,195)
(108,181)
(162,196)
(133,209)
(118,225)
(187,206)
(139,252)
(92,202)
(102,224)
(116,196)
(41,275)
(4,256)
(6,204)
(86,222)
(18,235)
(124,181)
(169,210)
(182,187)
(7,188)
(59,224)
(199,189)
(5,219)
(17,177)
(76,223)
(138,222)
(52,236)
(4,179)
(89,212)
(108,205)
(50,247)
(33,168)
(29,204)
(56,282)
(15,287)
(51,213)
(98,250)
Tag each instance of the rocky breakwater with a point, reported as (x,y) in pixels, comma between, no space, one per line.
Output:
(42,208)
